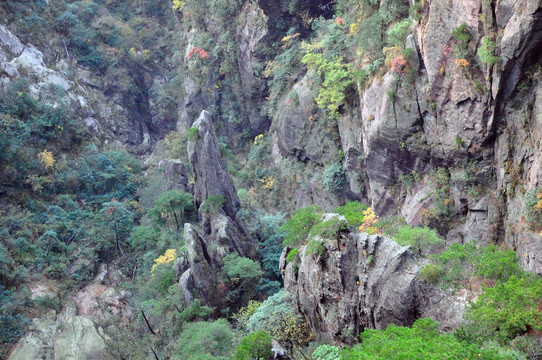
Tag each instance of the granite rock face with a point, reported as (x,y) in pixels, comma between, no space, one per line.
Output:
(210,177)
(221,232)
(364,282)
(479,124)
(96,102)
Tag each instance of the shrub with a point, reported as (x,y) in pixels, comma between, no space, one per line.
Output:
(270,244)
(532,208)
(213,204)
(327,352)
(196,311)
(316,247)
(420,239)
(463,262)
(192,134)
(422,341)
(277,317)
(507,310)
(486,52)
(201,340)
(353,212)
(163,276)
(334,178)
(66,21)
(241,267)
(267,315)
(256,345)
(143,237)
(370,222)
(173,203)
(243,315)
(398,33)
(416,11)
(297,228)
(292,256)
(335,79)
(462,36)
(432,273)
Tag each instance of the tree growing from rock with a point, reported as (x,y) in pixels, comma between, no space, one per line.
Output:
(174,203)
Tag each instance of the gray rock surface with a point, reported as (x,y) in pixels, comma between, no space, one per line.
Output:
(176,176)
(364,282)
(210,177)
(222,233)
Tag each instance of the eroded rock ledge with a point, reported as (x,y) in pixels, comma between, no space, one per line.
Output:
(364,281)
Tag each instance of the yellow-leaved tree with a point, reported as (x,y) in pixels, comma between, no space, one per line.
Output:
(179,5)
(168,257)
(369,224)
(47,159)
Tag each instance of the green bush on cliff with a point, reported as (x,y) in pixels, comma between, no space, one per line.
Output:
(506,310)
(333,178)
(334,76)
(422,341)
(256,345)
(297,228)
(420,239)
(398,33)
(353,212)
(486,52)
(460,263)
(205,340)
(462,37)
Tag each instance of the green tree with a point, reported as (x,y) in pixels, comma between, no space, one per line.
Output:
(143,237)
(353,212)
(277,317)
(463,262)
(256,345)
(422,341)
(335,77)
(507,310)
(327,352)
(173,202)
(205,340)
(420,239)
(120,220)
(334,178)
(236,266)
(398,33)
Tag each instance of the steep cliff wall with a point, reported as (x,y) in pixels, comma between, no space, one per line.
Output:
(468,121)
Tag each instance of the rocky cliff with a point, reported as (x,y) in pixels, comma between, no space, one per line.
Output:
(443,130)
(444,116)
(221,233)
(362,282)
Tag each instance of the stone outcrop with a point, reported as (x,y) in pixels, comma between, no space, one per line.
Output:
(221,232)
(74,333)
(364,282)
(176,175)
(97,103)
(210,177)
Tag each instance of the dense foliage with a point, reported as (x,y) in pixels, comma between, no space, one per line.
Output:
(418,238)
(422,341)
(460,264)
